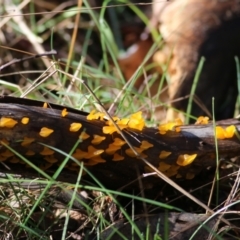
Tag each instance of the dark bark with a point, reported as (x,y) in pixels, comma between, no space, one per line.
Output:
(192,139)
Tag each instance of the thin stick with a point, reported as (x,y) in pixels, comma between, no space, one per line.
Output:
(17,60)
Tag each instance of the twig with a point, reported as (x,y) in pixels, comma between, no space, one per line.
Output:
(17,60)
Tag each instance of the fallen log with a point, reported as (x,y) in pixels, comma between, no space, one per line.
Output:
(45,136)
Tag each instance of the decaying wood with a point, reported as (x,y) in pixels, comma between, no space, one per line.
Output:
(192,139)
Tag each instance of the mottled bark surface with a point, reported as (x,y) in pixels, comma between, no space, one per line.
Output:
(192,139)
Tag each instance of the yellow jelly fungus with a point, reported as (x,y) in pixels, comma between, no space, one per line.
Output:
(79,154)
(116,145)
(30,153)
(100,116)
(130,152)
(46,151)
(2,158)
(51,159)
(168,170)
(230,131)
(64,112)
(93,152)
(164,154)
(123,121)
(97,139)
(109,129)
(121,126)
(112,129)
(13,160)
(74,127)
(94,161)
(7,122)
(172,171)
(45,105)
(7,153)
(83,136)
(112,149)
(177,129)
(117,157)
(97,159)
(163,167)
(163,128)
(26,141)
(136,121)
(146,145)
(45,132)
(118,142)
(115,119)
(185,159)
(190,176)
(178,122)
(93,115)
(222,133)
(25,120)
(202,120)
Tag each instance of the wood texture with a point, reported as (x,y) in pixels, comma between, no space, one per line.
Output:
(192,139)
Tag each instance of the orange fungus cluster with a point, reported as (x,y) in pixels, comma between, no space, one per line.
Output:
(228,132)
(170,126)
(135,121)
(7,122)
(202,120)
(111,146)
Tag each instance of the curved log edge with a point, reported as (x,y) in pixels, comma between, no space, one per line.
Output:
(25,125)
